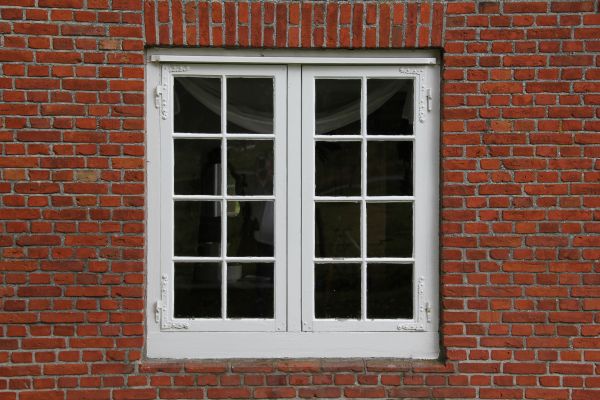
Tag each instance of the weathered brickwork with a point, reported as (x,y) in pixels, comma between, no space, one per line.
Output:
(520,197)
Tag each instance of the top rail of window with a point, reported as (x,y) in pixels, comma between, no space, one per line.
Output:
(275,56)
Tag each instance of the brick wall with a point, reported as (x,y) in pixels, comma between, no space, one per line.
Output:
(520,197)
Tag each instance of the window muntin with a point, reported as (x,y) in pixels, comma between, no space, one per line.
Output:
(418,336)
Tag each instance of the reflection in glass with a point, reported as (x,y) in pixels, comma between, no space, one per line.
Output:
(250,105)
(337,106)
(250,290)
(389,168)
(337,291)
(197,290)
(250,228)
(197,166)
(197,105)
(389,229)
(197,228)
(389,291)
(337,229)
(390,106)
(250,164)
(337,169)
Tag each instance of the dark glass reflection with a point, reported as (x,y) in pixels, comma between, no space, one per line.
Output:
(337,168)
(250,105)
(389,291)
(250,228)
(197,290)
(197,105)
(389,168)
(197,228)
(389,229)
(197,166)
(337,291)
(250,164)
(250,290)
(390,106)
(337,106)
(337,229)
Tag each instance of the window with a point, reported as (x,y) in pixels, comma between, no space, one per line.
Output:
(292,205)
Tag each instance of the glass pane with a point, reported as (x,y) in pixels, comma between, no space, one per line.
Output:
(250,105)
(337,167)
(337,106)
(250,290)
(389,168)
(197,228)
(197,166)
(337,291)
(250,165)
(389,291)
(389,229)
(337,230)
(390,106)
(197,290)
(250,228)
(197,105)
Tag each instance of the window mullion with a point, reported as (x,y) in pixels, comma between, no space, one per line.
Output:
(363,203)
(223,194)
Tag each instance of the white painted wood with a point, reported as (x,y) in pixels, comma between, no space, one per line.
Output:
(220,345)
(294,199)
(294,332)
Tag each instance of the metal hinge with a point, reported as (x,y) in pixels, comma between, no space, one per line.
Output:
(160,100)
(157,311)
(428,311)
(429,99)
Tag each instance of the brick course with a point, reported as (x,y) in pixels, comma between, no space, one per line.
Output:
(520,197)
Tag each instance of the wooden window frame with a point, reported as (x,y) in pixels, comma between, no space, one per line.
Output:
(293,332)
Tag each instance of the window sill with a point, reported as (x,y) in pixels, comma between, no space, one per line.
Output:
(231,345)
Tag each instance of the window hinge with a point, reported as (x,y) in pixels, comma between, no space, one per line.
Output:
(429,99)
(428,311)
(160,100)
(157,311)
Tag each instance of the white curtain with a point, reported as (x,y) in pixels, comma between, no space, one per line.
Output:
(256,121)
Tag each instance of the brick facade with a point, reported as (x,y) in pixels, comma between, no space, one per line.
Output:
(520,197)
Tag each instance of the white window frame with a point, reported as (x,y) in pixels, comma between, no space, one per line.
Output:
(293,332)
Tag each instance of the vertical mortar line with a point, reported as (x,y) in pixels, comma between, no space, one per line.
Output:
(363,192)
(404,22)
(224,197)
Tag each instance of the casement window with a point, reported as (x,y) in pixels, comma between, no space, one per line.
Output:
(292,205)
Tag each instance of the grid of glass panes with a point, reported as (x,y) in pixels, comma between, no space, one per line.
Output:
(223,197)
(363,253)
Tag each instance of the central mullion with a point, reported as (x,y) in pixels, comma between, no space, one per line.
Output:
(363,194)
(224,200)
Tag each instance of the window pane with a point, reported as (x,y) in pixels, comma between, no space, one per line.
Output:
(389,168)
(337,106)
(250,228)
(337,169)
(197,166)
(337,291)
(389,229)
(250,165)
(389,291)
(197,228)
(390,106)
(250,105)
(250,290)
(197,290)
(337,230)
(197,105)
